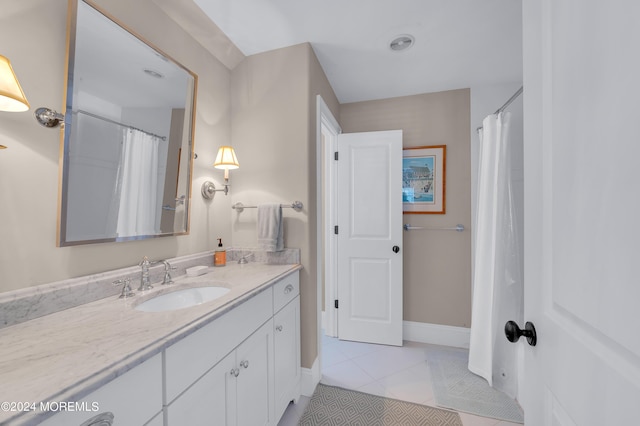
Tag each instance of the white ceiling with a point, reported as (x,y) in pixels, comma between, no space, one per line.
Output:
(458,43)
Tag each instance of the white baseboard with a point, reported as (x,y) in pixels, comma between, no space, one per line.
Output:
(310,377)
(436,334)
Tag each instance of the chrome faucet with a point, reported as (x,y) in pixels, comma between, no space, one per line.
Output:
(145,283)
(167,272)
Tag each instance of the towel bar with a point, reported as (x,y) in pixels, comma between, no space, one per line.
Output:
(296,205)
(458,228)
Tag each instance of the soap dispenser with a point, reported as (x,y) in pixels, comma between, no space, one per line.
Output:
(220,255)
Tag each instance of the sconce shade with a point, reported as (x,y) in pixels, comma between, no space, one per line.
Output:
(11,95)
(226,159)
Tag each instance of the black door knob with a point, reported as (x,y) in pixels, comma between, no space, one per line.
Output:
(395,249)
(513,332)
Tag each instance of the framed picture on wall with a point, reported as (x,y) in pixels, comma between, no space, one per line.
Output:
(423,179)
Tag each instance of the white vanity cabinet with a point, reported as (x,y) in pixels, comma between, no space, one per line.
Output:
(254,380)
(236,391)
(135,398)
(286,323)
(205,403)
(243,368)
(190,358)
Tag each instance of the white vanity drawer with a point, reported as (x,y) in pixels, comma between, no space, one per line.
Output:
(193,356)
(286,290)
(132,399)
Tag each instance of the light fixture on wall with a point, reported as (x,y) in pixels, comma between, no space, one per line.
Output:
(12,98)
(11,95)
(227,160)
(48,117)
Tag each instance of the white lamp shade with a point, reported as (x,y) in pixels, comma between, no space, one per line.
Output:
(226,159)
(11,95)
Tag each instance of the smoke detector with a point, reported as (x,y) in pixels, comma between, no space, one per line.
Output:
(401,42)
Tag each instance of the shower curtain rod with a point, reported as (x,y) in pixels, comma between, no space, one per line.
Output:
(506,104)
(164,138)
(511,99)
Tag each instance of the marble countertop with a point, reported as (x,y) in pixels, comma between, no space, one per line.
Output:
(66,355)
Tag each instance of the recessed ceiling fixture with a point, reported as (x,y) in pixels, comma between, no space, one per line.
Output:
(153,73)
(401,42)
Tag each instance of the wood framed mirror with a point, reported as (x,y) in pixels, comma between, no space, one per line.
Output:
(128,136)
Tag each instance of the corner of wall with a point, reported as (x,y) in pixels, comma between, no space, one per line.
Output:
(310,378)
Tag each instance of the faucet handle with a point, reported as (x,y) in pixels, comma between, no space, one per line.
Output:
(144,262)
(167,272)
(126,288)
(167,278)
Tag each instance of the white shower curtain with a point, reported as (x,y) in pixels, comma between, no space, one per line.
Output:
(497,277)
(137,214)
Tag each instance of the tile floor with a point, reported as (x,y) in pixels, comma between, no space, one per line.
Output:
(394,372)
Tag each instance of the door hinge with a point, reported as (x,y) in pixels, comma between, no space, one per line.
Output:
(335,303)
(335,155)
(335,229)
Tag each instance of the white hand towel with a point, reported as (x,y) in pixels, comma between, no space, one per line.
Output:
(270,229)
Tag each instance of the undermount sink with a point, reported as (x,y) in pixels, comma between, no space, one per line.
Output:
(181,299)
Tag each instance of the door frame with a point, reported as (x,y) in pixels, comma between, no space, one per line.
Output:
(326,210)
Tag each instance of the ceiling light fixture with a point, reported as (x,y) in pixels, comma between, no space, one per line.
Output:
(401,42)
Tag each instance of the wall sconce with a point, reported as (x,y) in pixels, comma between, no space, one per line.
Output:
(227,160)
(12,97)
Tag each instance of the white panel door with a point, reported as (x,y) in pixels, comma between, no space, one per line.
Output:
(582,204)
(370,237)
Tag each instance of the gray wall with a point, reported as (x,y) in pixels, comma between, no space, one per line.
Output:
(273,121)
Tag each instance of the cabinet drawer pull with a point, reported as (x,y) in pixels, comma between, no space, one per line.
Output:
(279,328)
(102,419)
(234,372)
(288,289)
(244,364)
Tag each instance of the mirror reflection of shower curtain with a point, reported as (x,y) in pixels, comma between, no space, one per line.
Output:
(138,178)
(498,277)
(92,184)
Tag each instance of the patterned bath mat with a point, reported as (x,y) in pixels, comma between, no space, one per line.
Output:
(336,406)
(455,387)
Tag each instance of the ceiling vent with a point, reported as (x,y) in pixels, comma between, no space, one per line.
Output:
(402,42)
